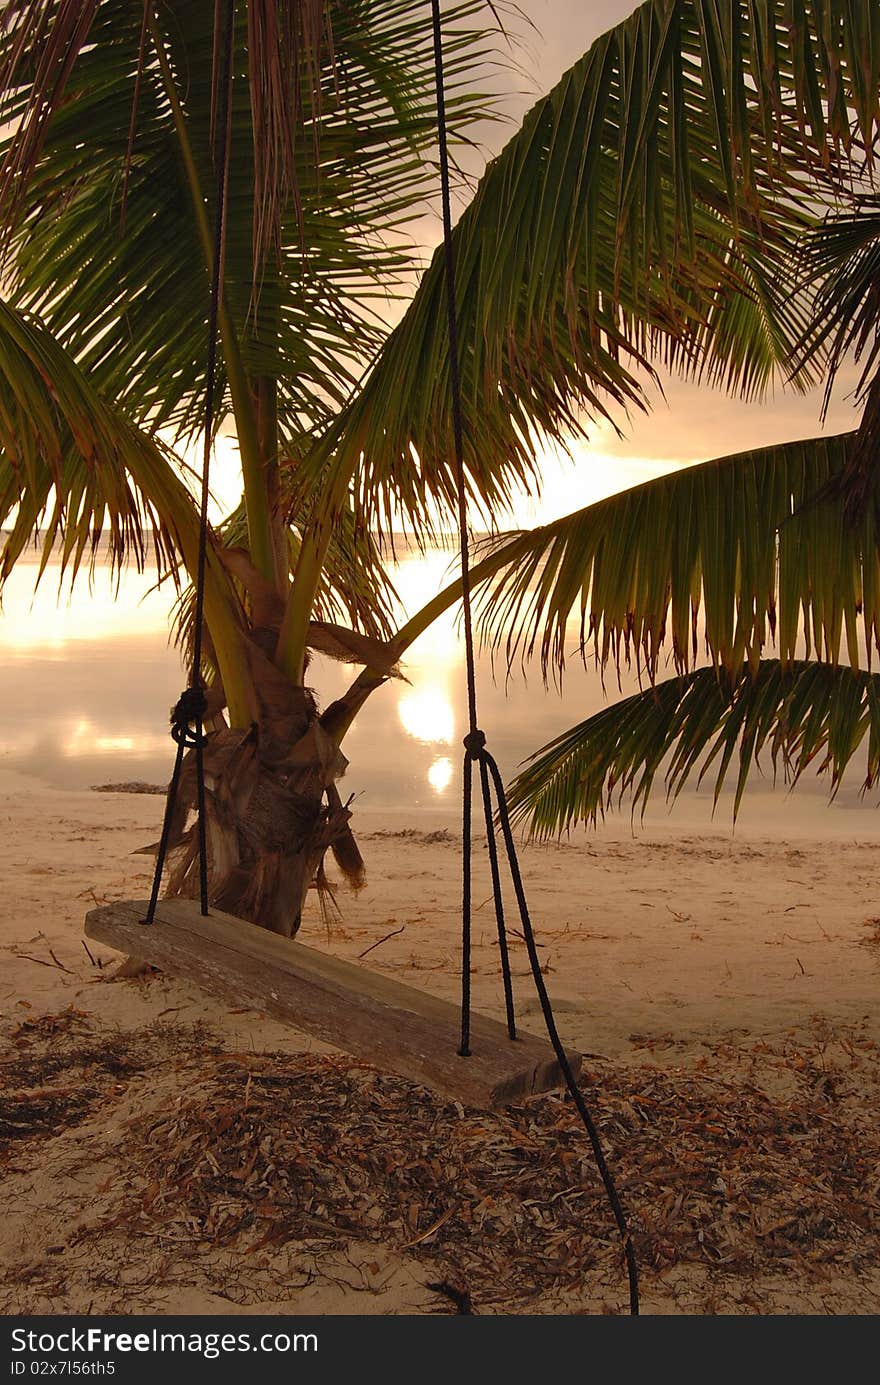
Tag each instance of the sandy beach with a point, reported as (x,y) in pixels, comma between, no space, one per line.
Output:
(163,1152)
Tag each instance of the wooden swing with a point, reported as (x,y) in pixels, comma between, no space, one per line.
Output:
(370,1016)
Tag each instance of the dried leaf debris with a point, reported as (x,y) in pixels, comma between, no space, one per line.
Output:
(760,1158)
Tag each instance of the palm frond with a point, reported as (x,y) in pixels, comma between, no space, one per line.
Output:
(356,604)
(104,244)
(39,45)
(842,256)
(43,40)
(79,481)
(802,714)
(71,472)
(283,41)
(741,544)
(645,210)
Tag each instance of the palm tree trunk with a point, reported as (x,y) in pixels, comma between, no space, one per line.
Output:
(272,813)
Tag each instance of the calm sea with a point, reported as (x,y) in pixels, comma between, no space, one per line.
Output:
(88,681)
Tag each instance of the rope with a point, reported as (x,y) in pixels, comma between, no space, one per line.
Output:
(458,431)
(499,899)
(475,745)
(556,1042)
(187,728)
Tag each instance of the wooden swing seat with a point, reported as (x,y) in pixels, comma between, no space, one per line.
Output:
(370,1016)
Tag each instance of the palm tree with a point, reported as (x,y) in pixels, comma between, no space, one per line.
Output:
(645,211)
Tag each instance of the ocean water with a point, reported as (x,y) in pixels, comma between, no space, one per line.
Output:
(88,680)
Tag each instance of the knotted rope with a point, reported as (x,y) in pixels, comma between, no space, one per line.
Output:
(475,744)
(187,727)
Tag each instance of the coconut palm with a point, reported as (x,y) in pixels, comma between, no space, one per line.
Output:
(645,212)
(743,557)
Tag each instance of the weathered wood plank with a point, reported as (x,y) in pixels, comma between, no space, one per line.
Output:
(366,1014)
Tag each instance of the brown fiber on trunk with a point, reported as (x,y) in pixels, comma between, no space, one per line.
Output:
(269,825)
(272,808)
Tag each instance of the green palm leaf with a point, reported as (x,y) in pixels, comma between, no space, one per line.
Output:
(73,473)
(741,545)
(105,244)
(802,713)
(67,462)
(842,256)
(645,209)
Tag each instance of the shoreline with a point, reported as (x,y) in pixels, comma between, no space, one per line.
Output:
(669,927)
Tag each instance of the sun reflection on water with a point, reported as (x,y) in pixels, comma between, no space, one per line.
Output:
(84,737)
(432,665)
(440,774)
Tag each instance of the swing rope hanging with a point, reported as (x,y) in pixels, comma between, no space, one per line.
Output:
(475,743)
(334,1000)
(186,720)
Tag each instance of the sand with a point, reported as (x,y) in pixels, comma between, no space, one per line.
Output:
(673,956)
